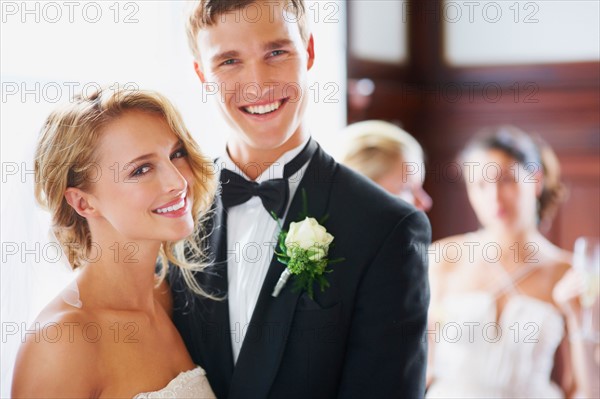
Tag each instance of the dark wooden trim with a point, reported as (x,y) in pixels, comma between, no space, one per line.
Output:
(425,40)
(571,75)
(358,69)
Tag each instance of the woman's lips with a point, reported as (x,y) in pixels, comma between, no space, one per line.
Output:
(174,209)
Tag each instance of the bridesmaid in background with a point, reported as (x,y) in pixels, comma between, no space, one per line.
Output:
(390,157)
(494,328)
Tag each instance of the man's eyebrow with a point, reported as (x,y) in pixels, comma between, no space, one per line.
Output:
(275,44)
(225,55)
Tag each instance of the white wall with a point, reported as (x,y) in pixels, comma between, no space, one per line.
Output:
(379,30)
(521,32)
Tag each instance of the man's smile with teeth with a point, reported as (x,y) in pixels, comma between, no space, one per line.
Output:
(263,109)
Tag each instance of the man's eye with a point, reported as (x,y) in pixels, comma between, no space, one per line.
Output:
(180,153)
(229,62)
(277,52)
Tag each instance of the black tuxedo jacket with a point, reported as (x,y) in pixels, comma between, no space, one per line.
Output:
(362,337)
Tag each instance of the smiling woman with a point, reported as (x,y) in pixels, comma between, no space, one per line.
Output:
(98,138)
(124,182)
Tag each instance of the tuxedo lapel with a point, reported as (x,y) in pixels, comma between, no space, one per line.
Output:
(217,352)
(267,333)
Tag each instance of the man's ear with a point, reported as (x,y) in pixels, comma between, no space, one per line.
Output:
(199,72)
(80,202)
(310,49)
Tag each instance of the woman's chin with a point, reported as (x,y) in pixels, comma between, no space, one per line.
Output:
(180,233)
(504,226)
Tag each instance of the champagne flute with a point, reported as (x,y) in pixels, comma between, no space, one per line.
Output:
(586,260)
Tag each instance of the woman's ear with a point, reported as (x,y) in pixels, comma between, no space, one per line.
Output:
(539,183)
(80,202)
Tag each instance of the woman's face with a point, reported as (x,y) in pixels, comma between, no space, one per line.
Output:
(502,192)
(405,180)
(144,191)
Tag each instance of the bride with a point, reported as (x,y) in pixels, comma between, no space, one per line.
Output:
(125,183)
(494,329)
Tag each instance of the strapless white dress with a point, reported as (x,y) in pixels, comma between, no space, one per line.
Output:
(477,357)
(190,384)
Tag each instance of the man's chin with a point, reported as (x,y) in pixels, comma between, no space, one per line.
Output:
(267,141)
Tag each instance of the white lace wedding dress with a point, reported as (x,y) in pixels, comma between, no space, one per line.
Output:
(477,355)
(190,384)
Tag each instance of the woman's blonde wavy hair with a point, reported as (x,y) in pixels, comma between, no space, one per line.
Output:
(374,147)
(66,156)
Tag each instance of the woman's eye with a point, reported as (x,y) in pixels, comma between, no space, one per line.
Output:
(180,153)
(142,170)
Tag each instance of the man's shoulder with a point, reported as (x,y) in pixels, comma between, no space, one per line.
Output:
(357,191)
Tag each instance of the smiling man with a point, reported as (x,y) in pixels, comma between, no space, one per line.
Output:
(362,336)
(259,60)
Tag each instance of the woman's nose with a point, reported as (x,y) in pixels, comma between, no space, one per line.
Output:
(173,180)
(422,200)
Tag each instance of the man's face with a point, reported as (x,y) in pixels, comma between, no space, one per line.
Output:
(257,59)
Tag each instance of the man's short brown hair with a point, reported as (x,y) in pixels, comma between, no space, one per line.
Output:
(206,13)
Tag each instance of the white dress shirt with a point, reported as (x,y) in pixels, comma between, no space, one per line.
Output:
(251,240)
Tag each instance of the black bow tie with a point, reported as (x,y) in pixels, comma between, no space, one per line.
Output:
(273,193)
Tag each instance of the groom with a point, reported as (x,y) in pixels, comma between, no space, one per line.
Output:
(363,335)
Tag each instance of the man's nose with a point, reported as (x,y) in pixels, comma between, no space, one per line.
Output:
(256,83)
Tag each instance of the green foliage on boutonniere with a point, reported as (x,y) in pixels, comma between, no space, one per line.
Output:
(303,249)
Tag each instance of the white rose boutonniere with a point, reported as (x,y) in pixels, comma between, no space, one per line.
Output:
(308,235)
(303,250)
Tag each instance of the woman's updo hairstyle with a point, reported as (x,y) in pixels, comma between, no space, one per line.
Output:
(530,152)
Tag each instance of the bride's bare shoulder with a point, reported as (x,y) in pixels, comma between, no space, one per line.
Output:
(58,354)
(557,260)
(446,257)
(447,254)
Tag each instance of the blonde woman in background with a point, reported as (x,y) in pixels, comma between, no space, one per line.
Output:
(494,328)
(390,157)
(125,183)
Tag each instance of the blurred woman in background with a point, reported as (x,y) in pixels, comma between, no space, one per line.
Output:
(495,330)
(390,157)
